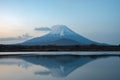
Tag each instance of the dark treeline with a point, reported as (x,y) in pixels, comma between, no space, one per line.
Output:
(15,48)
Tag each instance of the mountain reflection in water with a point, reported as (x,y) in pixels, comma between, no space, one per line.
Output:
(57,66)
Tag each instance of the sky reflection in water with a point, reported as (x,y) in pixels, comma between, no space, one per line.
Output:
(60,68)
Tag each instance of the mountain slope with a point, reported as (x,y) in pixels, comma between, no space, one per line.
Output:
(60,35)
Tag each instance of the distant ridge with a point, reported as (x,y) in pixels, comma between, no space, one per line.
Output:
(60,35)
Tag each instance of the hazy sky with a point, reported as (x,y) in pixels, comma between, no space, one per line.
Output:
(98,20)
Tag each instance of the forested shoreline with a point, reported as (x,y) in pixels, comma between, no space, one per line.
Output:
(16,48)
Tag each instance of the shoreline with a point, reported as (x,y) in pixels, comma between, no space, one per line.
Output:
(57,55)
(21,48)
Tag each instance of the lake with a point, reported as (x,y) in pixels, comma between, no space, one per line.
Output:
(60,67)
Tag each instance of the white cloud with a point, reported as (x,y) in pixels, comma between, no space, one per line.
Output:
(42,29)
(22,37)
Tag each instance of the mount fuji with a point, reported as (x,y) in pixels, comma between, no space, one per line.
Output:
(60,35)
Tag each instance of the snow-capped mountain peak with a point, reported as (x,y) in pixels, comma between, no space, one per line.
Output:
(60,35)
(62,31)
(59,29)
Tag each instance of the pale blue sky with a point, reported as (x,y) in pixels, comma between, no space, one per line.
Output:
(98,20)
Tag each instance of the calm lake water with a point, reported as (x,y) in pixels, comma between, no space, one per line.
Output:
(60,67)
